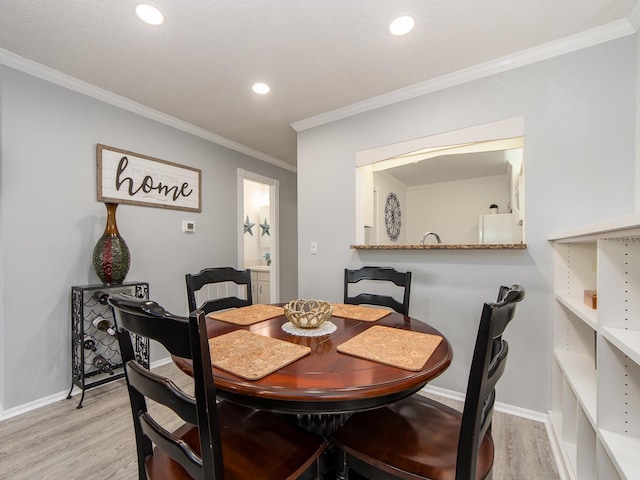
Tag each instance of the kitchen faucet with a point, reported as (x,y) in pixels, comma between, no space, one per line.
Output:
(430,233)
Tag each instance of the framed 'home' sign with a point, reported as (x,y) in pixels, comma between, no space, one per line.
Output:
(128,177)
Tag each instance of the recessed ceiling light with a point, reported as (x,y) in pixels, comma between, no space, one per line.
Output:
(402,25)
(261,88)
(149,14)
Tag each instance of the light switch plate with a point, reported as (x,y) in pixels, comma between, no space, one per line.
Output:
(314,248)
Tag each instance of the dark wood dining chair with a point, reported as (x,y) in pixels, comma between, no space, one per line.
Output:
(401,279)
(420,438)
(219,439)
(209,277)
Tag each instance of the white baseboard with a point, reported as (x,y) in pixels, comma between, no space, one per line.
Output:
(28,407)
(56,397)
(499,407)
(159,363)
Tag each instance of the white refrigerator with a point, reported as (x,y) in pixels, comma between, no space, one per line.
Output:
(498,228)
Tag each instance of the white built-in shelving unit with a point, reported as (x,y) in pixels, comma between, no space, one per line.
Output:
(595,412)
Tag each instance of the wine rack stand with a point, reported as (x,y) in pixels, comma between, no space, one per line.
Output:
(101,362)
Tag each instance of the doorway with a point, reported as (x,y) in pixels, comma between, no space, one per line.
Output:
(258,246)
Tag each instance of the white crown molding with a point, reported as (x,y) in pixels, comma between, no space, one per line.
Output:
(604,33)
(45,73)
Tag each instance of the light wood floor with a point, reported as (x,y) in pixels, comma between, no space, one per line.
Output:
(60,442)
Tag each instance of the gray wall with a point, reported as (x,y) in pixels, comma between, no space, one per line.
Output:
(579,117)
(51,220)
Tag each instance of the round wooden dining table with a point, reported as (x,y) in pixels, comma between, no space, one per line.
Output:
(325,385)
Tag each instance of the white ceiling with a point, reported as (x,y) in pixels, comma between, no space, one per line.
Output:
(449,168)
(317,55)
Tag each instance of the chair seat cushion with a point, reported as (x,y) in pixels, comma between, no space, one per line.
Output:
(255,444)
(420,439)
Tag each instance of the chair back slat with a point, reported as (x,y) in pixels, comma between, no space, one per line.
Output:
(210,276)
(496,369)
(162,390)
(185,337)
(487,366)
(372,299)
(486,414)
(177,449)
(222,304)
(400,279)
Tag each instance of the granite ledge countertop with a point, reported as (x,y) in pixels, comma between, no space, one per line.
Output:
(474,246)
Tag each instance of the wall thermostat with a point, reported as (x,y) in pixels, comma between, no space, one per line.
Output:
(188,226)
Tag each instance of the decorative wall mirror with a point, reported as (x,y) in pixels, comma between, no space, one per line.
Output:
(465,186)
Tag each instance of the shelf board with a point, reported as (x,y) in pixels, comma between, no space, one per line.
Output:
(627,341)
(582,311)
(580,374)
(626,222)
(623,452)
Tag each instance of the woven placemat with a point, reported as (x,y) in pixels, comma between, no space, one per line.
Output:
(252,356)
(248,315)
(392,346)
(358,312)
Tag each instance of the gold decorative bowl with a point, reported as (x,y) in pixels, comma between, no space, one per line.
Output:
(308,313)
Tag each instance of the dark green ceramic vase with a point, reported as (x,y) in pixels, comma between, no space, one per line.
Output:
(111,254)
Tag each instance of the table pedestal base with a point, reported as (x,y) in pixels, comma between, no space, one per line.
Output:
(324,424)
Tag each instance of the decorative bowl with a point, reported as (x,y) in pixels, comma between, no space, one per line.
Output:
(308,313)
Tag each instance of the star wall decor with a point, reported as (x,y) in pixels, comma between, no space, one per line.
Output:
(248,226)
(265,228)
